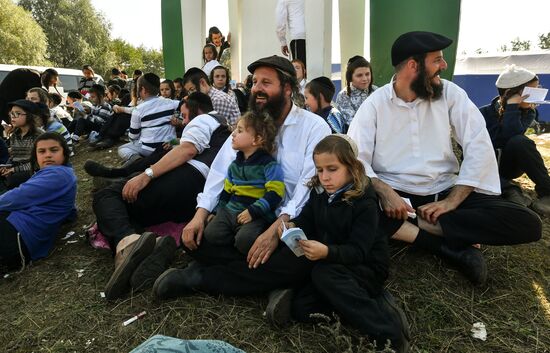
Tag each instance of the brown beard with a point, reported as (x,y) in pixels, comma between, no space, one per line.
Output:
(423,85)
(274,105)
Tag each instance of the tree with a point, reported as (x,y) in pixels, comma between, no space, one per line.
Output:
(22,40)
(130,58)
(518,44)
(544,41)
(153,61)
(77,34)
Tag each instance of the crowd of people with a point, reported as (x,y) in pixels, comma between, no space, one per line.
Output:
(243,164)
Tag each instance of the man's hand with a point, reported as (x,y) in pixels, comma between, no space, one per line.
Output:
(431,211)
(244,217)
(166,146)
(392,204)
(5,171)
(314,250)
(134,186)
(191,235)
(265,244)
(284,50)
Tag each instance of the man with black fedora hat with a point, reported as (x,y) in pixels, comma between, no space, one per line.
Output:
(404,131)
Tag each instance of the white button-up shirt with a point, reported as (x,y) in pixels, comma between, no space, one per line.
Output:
(408,145)
(296,139)
(290,14)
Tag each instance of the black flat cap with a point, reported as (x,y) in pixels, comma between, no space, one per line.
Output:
(417,42)
(26,105)
(276,62)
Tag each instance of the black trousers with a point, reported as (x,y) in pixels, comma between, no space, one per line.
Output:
(10,256)
(479,219)
(298,50)
(520,155)
(85,126)
(337,288)
(170,197)
(226,271)
(225,230)
(115,127)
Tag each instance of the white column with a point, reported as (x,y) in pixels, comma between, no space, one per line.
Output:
(193,18)
(352,31)
(318,37)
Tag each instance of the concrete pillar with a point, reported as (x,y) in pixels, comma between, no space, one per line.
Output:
(352,31)
(193,16)
(318,37)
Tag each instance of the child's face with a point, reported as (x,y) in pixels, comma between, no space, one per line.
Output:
(332,174)
(220,78)
(243,139)
(49,152)
(94,98)
(208,54)
(87,73)
(165,90)
(33,97)
(18,117)
(299,71)
(361,78)
(178,87)
(311,102)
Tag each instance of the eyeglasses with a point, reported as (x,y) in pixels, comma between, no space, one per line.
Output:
(16,114)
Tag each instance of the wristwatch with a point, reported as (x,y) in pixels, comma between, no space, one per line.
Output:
(149,173)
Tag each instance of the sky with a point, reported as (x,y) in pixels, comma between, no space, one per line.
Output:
(485,24)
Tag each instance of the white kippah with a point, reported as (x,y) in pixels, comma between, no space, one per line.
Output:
(352,143)
(514,76)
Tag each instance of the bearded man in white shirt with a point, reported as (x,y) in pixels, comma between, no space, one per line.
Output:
(404,133)
(269,264)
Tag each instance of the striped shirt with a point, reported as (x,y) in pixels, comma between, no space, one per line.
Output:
(225,105)
(21,148)
(255,184)
(150,122)
(100,113)
(56,126)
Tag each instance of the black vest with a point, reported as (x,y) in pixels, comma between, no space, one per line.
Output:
(219,136)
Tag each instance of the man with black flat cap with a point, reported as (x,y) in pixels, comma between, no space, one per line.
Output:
(404,131)
(269,264)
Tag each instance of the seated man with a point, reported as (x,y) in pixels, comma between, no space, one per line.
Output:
(194,105)
(269,264)
(150,123)
(507,119)
(403,131)
(165,192)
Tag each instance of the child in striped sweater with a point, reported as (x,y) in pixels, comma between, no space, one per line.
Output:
(253,187)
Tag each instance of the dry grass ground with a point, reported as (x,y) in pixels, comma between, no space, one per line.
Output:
(48,308)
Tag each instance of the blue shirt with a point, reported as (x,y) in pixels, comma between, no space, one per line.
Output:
(38,206)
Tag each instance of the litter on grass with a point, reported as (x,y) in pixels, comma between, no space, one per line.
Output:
(68,235)
(479,331)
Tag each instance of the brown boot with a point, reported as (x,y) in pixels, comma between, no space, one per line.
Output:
(129,255)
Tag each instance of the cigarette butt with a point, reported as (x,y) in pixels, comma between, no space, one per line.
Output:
(134,318)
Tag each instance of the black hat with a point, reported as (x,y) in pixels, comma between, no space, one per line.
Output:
(201,98)
(28,106)
(324,81)
(193,71)
(153,79)
(418,42)
(276,62)
(115,71)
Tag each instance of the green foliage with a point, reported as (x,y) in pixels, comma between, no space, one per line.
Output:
(22,40)
(77,34)
(519,45)
(544,41)
(130,58)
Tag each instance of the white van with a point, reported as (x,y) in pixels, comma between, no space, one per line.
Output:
(68,78)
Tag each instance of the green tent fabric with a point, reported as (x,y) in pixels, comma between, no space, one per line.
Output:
(165,344)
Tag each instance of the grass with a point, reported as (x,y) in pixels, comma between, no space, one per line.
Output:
(48,308)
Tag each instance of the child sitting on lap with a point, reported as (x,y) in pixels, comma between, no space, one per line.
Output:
(253,188)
